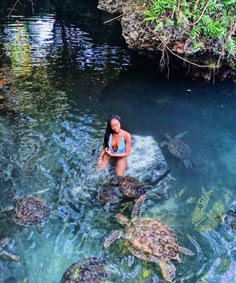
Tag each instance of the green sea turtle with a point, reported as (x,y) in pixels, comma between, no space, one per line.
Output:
(108,196)
(132,187)
(178,148)
(129,186)
(29,211)
(149,240)
(85,271)
(112,192)
(3,243)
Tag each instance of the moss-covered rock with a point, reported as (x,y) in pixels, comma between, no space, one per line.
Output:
(207,215)
(181,31)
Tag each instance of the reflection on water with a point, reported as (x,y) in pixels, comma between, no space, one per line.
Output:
(64,84)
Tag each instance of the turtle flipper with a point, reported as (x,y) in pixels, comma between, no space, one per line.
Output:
(186,251)
(114,236)
(168,269)
(187,163)
(180,135)
(13,257)
(138,206)
(4,242)
(168,137)
(9,208)
(40,228)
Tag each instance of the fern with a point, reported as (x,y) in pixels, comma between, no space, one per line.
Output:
(202,19)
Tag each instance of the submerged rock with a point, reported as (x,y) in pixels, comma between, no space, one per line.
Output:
(148,164)
(207,215)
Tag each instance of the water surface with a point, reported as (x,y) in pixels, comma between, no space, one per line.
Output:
(66,78)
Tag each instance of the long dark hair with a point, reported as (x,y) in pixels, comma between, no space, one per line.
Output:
(109,129)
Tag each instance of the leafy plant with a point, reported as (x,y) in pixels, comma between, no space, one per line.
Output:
(201,21)
(231,45)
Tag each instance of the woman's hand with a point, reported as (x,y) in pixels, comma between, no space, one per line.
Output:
(99,163)
(108,152)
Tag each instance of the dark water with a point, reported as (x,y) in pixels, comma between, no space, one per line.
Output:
(66,77)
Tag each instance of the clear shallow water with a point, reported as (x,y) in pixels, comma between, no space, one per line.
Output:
(65,82)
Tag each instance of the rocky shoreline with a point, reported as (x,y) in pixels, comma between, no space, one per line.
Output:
(140,35)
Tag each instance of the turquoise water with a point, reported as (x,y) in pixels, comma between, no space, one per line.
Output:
(65,80)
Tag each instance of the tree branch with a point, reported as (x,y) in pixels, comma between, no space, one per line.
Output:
(113,19)
(176,55)
(13,7)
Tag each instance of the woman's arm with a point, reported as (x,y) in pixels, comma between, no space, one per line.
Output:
(101,155)
(100,159)
(103,160)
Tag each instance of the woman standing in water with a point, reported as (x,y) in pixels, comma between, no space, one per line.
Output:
(117,144)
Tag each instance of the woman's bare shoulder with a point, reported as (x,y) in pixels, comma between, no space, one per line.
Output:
(127,135)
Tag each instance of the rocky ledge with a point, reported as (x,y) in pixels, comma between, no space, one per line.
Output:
(208,62)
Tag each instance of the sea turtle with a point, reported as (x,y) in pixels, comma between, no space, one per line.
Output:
(149,240)
(29,210)
(86,270)
(129,186)
(4,242)
(132,187)
(112,192)
(108,196)
(178,148)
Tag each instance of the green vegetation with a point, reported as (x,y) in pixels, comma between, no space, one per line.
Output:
(202,22)
(223,266)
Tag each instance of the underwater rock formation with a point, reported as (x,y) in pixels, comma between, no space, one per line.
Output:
(207,216)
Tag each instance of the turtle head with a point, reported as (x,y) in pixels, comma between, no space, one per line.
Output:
(12,197)
(122,219)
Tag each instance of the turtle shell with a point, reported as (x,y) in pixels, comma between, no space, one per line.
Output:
(152,237)
(30,211)
(179,149)
(86,270)
(131,187)
(108,195)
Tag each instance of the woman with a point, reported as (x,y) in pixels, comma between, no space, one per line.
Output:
(117,144)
